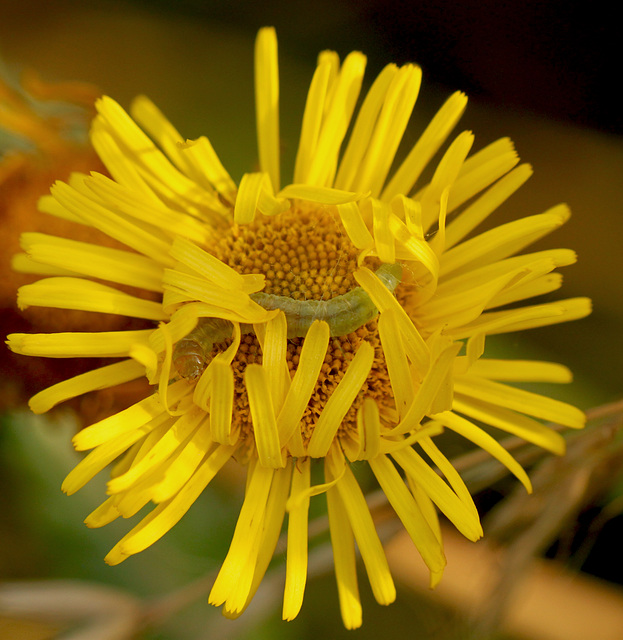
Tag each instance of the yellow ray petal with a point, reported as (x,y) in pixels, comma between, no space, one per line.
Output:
(425,148)
(344,561)
(102,378)
(410,515)
(439,492)
(520,400)
(359,140)
(340,401)
(367,539)
(296,563)
(77,293)
(483,440)
(105,344)
(263,417)
(167,514)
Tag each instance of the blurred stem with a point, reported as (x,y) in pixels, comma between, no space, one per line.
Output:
(562,488)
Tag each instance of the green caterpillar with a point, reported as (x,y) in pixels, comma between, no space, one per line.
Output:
(344,314)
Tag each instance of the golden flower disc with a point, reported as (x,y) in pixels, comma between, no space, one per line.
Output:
(304,254)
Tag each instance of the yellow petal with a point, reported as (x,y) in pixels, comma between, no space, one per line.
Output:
(511,422)
(305,378)
(359,140)
(344,561)
(340,401)
(84,295)
(426,147)
(167,514)
(533,404)
(236,573)
(263,417)
(439,492)
(267,102)
(367,539)
(105,344)
(296,556)
(102,378)
(410,515)
(483,440)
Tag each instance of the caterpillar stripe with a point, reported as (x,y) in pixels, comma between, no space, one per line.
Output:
(344,314)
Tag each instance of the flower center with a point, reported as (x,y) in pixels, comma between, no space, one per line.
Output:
(304,255)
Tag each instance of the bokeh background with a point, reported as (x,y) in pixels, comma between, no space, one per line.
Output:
(543,73)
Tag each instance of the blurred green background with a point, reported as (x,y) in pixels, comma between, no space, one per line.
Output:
(540,73)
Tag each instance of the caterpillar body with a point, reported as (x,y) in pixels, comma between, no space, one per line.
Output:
(344,314)
(191,353)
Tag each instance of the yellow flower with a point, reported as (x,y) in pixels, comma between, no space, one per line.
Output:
(341,318)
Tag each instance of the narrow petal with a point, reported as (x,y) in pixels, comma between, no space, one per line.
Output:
(175,435)
(439,492)
(389,128)
(415,346)
(267,102)
(369,429)
(426,147)
(519,400)
(273,520)
(102,378)
(203,158)
(367,539)
(482,170)
(104,344)
(236,574)
(310,361)
(312,120)
(263,417)
(483,440)
(319,195)
(522,318)
(274,359)
(127,420)
(359,140)
(105,453)
(296,564)
(167,514)
(94,261)
(136,204)
(151,162)
(520,370)
(222,402)
(486,204)
(184,464)
(340,401)
(344,96)
(112,224)
(444,176)
(511,422)
(344,560)
(409,513)
(503,241)
(428,391)
(84,295)
(352,219)
(396,359)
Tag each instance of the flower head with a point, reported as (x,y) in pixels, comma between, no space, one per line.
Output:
(340,318)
